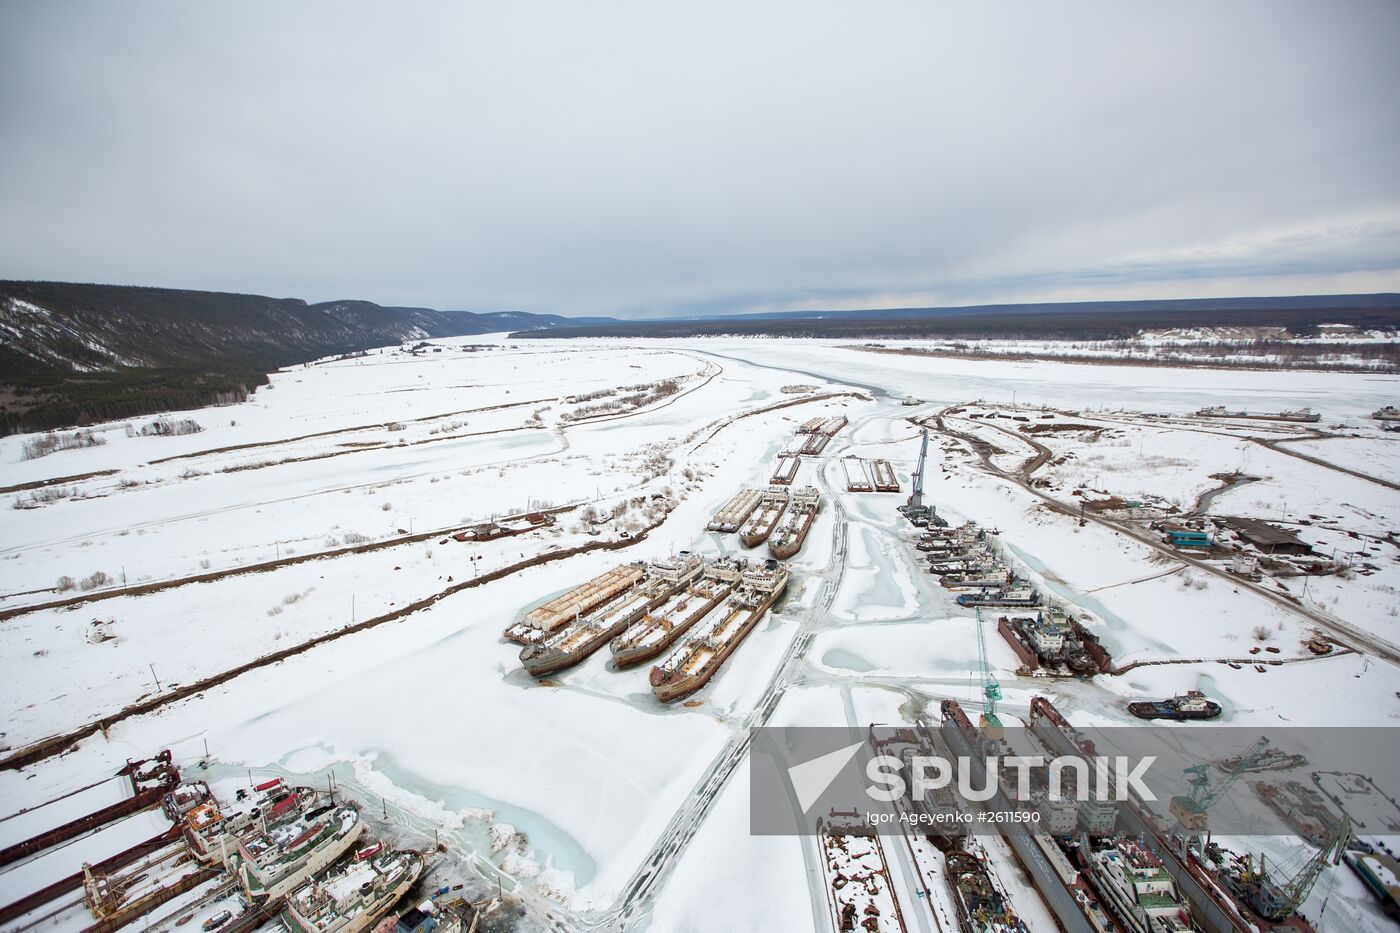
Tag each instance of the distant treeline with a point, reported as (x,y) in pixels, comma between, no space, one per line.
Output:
(1252,354)
(1041,322)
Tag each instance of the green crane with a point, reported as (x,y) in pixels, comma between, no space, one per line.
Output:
(1275,896)
(1192,825)
(991,688)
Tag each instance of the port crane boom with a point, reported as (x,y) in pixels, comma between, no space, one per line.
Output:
(1192,826)
(991,687)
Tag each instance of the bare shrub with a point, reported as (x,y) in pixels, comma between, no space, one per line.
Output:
(275,611)
(46,444)
(167,427)
(64,584)
(354,537)
(93,582)
(1262,633)
(386,506)
(42,497)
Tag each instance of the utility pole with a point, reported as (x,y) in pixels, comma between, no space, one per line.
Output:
(159,688)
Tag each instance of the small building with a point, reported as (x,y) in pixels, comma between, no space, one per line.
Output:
(1267,538)
(1190,538)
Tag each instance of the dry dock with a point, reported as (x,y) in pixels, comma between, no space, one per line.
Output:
(856,478)
(786,470)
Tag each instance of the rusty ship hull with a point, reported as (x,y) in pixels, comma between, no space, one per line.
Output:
(765,518)
(704,653)
(788,538)
(579,639)
(653,633)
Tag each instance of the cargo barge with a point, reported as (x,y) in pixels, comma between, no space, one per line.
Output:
(542,620)
(1192,704)
(705,650)
(147,781)
(811,426)
(814,444)
(352,899)
(656,631)
(583,636)
(732,515)
(765,518)
(802,512)
(885,480)
(786,469)
(856,478)
(832,425)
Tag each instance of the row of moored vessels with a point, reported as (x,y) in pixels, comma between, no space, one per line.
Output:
(965,560)
(698,609)
(284,852)
(778,515)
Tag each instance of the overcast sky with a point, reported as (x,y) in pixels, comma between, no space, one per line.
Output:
(658,157)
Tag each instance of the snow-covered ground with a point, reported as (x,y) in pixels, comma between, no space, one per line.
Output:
(586,773)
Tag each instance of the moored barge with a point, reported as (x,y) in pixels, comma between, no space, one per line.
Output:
(580,638)
(539,622)
(802,512)
(657,630)
(732,515)
(765,518)
(705,650)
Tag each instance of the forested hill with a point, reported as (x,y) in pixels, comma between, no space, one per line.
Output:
(76,354)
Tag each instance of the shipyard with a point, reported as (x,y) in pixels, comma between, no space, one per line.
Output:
(967,571)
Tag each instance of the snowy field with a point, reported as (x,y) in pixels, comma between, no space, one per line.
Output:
(131,569)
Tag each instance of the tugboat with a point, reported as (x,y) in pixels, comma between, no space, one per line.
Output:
(765,517)
(1388,413)
(787,540)
(353,898)
(1192,704)
(980,575)
(1017,594)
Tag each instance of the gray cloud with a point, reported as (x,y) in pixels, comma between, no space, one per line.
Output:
(643,158)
